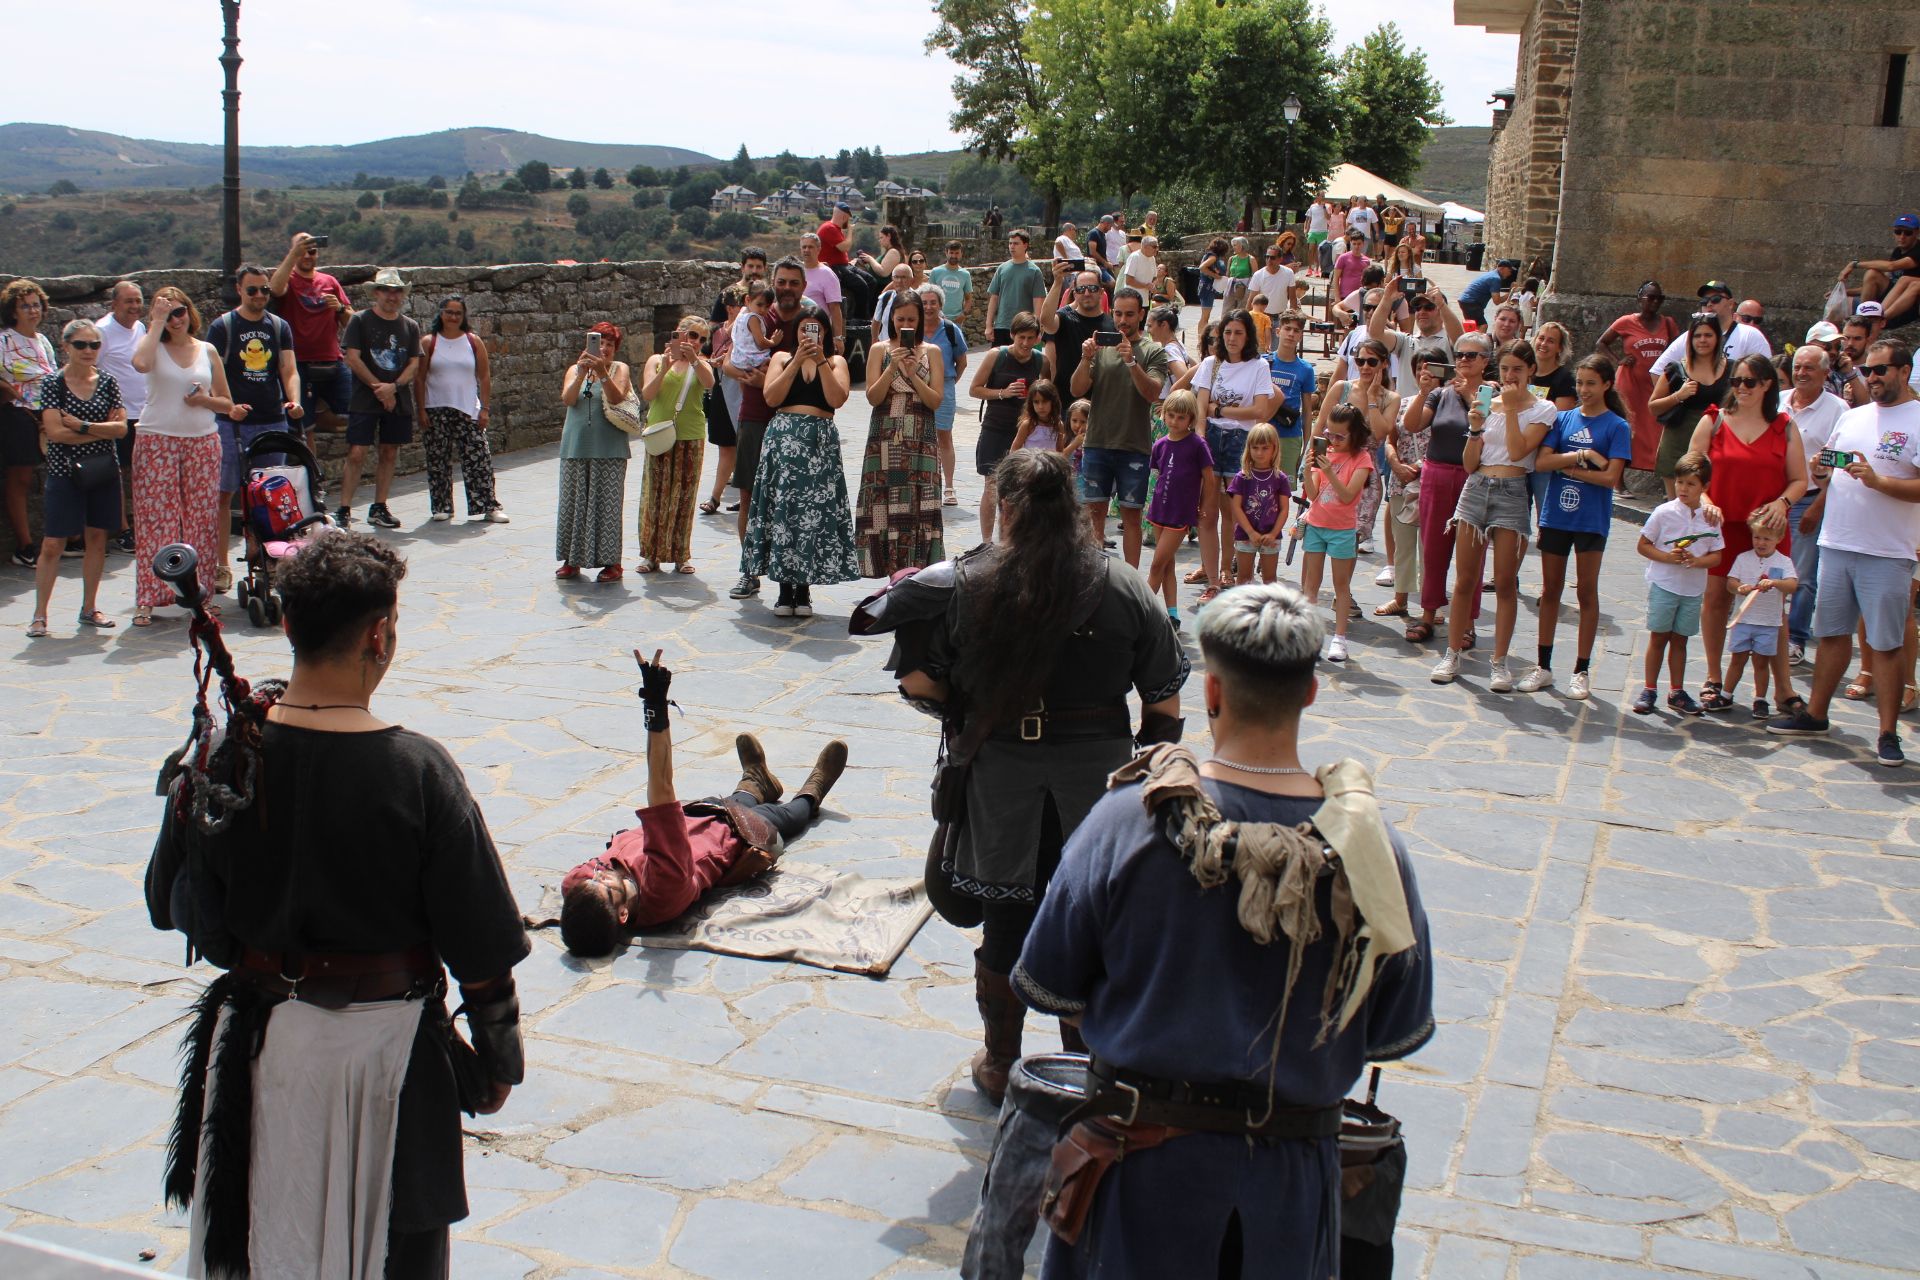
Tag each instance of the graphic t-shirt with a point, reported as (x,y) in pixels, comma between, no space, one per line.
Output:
(1230,384)
(1570,503)
(1862,519)
(251,351)
(316,335)
(956,283)
(1672,523)
(1749,568)
(1183,466)
(385,346)
(1263,496)
(1293,379)
(1014,285)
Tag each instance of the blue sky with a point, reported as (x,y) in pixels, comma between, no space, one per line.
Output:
(674,72)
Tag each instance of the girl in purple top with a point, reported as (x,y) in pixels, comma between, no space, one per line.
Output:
(1259,496)
(1185,467)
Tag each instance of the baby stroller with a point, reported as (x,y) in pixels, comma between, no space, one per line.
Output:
(282,503)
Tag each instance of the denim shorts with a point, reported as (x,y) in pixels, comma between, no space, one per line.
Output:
(1754,638)
(1228,445)
(1854,587)
(1335,544)
(1114,473)
(1667,611)
(1496,502)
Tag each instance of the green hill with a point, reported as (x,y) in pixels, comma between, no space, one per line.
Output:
(33,156)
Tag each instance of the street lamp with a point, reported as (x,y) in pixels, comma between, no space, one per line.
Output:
(1291,109)
(230,178)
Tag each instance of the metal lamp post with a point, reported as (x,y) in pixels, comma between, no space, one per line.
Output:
(1291,109)
(230,179)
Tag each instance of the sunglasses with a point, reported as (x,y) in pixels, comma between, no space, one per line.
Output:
(1086,288)
(1425,306)
(257,290)
(1744,383)
(917,260)
(1469,355)
(1744,318)
(1875,370)
(1366,362)
(78,345)
(1905,231)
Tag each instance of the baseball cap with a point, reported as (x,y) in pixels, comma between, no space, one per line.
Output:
(843,207)
(1714,286)
(1822,331)
(1906,222)
(1869,309)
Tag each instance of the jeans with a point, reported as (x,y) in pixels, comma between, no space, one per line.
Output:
(1806,568)
(790,818)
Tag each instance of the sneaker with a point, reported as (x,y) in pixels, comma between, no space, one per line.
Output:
(343,516)
(1580,688)
(1502,679)
(1337,649)
(1680,702)
(26,559)
(1797,654)
(783,606)
(1363,547)
(378,514)
(1760,709)
(745,589)
(1447,670)
(802,601)
(1800,724)
(73,551)
(1384,578)
(441,517)
(1644,704)
(123,544)
(1535,680)
(1889,752)
(497,516)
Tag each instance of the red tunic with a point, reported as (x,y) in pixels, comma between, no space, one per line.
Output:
(1635,379)
(672,857)
(1745,476)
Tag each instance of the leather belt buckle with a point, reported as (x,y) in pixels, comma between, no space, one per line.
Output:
(1133,1114)
(1033,724)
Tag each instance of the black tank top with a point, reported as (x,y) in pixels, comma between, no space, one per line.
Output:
(1004,415)
(804,394)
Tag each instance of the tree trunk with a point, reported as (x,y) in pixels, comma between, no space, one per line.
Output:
(1050,210)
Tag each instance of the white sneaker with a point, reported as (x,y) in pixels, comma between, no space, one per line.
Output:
(1796,654)
(1384,578)
(497,516)
(1364,547)
(1336,649)
(441,517)
(1581,687)
(1447,670)
(1535,680)
(1502,681)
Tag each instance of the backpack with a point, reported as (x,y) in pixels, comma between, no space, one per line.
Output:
(274,504)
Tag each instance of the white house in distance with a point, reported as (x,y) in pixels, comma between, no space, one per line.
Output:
(732,196)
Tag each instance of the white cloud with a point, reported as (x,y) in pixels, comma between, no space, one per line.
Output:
(686,73)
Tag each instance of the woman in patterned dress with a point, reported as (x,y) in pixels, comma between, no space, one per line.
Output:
(674,385)
(800,525)
(80,414)
(897,521)
(593,460)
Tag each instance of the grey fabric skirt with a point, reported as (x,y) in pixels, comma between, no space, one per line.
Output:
(997,852)
(589,530)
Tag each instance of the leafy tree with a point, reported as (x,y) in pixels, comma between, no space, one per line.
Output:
(843,163)
(677,246)
(999,87)
(788,166)
(602,179)
(1391,104)
(62,221)
(694,220)
(534,175)
(63,187)
(646,198)
(877,165)
(862,165)
(578,206)
(437,182)
(642,175)
(815,172)
(732,225)
(740,168)
(577,179)
(366,200)
(465,240)
(516,185)
(655,223)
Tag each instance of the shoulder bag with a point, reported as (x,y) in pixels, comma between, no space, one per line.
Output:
(630,414)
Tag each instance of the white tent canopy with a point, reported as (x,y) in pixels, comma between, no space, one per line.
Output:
(1351,180)
(1461,213)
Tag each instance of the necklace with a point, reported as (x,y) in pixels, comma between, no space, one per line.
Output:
(1252,768)
(322,706)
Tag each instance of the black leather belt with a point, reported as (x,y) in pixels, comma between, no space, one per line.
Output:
(1232,1106)
(1068,724)
(337,979)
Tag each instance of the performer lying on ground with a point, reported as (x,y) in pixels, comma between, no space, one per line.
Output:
(654,872)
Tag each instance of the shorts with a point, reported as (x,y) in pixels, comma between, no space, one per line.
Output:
(1496,502)
(1335,544)
(1856,587)
(19,437)
(67,509)
(1753,637)
(1228,445)
(1114,474)
(234,438)
(1316,237)
(746,458)
(992,446)
(1563,542)
(1002,337)
(943,416)
(1209,291)
(1667,612)
(382,427)
(1290,447)
(1391,237)
(328,380)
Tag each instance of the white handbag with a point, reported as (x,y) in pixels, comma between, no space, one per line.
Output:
(660,436)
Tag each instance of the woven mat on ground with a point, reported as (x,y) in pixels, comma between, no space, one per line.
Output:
(815,915)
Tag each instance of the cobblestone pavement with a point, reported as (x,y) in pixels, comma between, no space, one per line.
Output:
(1679,985)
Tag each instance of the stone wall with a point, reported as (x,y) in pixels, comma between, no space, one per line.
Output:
(1524,167)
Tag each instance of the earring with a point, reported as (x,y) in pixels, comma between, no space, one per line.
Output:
(1213,713)
(380,659)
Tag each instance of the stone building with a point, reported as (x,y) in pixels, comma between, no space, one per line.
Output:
(1758,142)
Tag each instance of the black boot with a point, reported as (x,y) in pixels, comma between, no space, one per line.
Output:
(827,769)
(755,778)
(1004,1018)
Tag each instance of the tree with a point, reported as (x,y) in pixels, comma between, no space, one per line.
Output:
(642,175)
(602,179)
(534,175)
(999,87)
(815,172)
(646,198)
(577,179)
(63,187)
(740,168)
(465,240)
(694,221)
(366,200)
(862,170)
(732,225)
(1391,105)
(878,164)
(437,182)
(578,206)
(843,164)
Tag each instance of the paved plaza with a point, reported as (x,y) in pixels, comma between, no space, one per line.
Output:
(1679,982)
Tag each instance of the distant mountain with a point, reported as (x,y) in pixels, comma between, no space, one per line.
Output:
(33,156)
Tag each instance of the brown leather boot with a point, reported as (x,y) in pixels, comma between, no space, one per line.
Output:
(755,778)
(1004,1017)
(826,771)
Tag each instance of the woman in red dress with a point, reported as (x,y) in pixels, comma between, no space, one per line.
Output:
(1633,343)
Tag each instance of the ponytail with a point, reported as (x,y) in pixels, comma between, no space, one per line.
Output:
(1602,366)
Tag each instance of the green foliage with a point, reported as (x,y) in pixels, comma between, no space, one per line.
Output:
(515,185)
(1189,210)
(409,195)
(815,172)
(655,223)
(694,220)
(465,240)
(843,162)
(678,246)
(740,168)
(367,200)
(437,182)
(63,187)
(510,194)
(646,197)
(186,250)
(602,179)
(695,189)
(732,225)
(642,175)
(577,179)
(1391,105)
(62,221)
(535,175)
(578,206)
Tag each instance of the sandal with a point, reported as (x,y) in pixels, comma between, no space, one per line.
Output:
(685,567)
(710,506)
(1420,633)
(1713,697)
(612,573)
(1390,610)
(1195,577)
(949,498)
(1910,699)
(646,566)
(143,616)
(223,579)
(37,628)
(95,618)
(1207,595)
(1861,687)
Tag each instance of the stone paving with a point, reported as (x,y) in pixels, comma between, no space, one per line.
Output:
(1679,985)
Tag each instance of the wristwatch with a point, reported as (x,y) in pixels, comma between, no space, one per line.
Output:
(85,428)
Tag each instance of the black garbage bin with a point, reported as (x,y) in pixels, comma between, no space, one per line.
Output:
(1190,278)
(1476,254)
